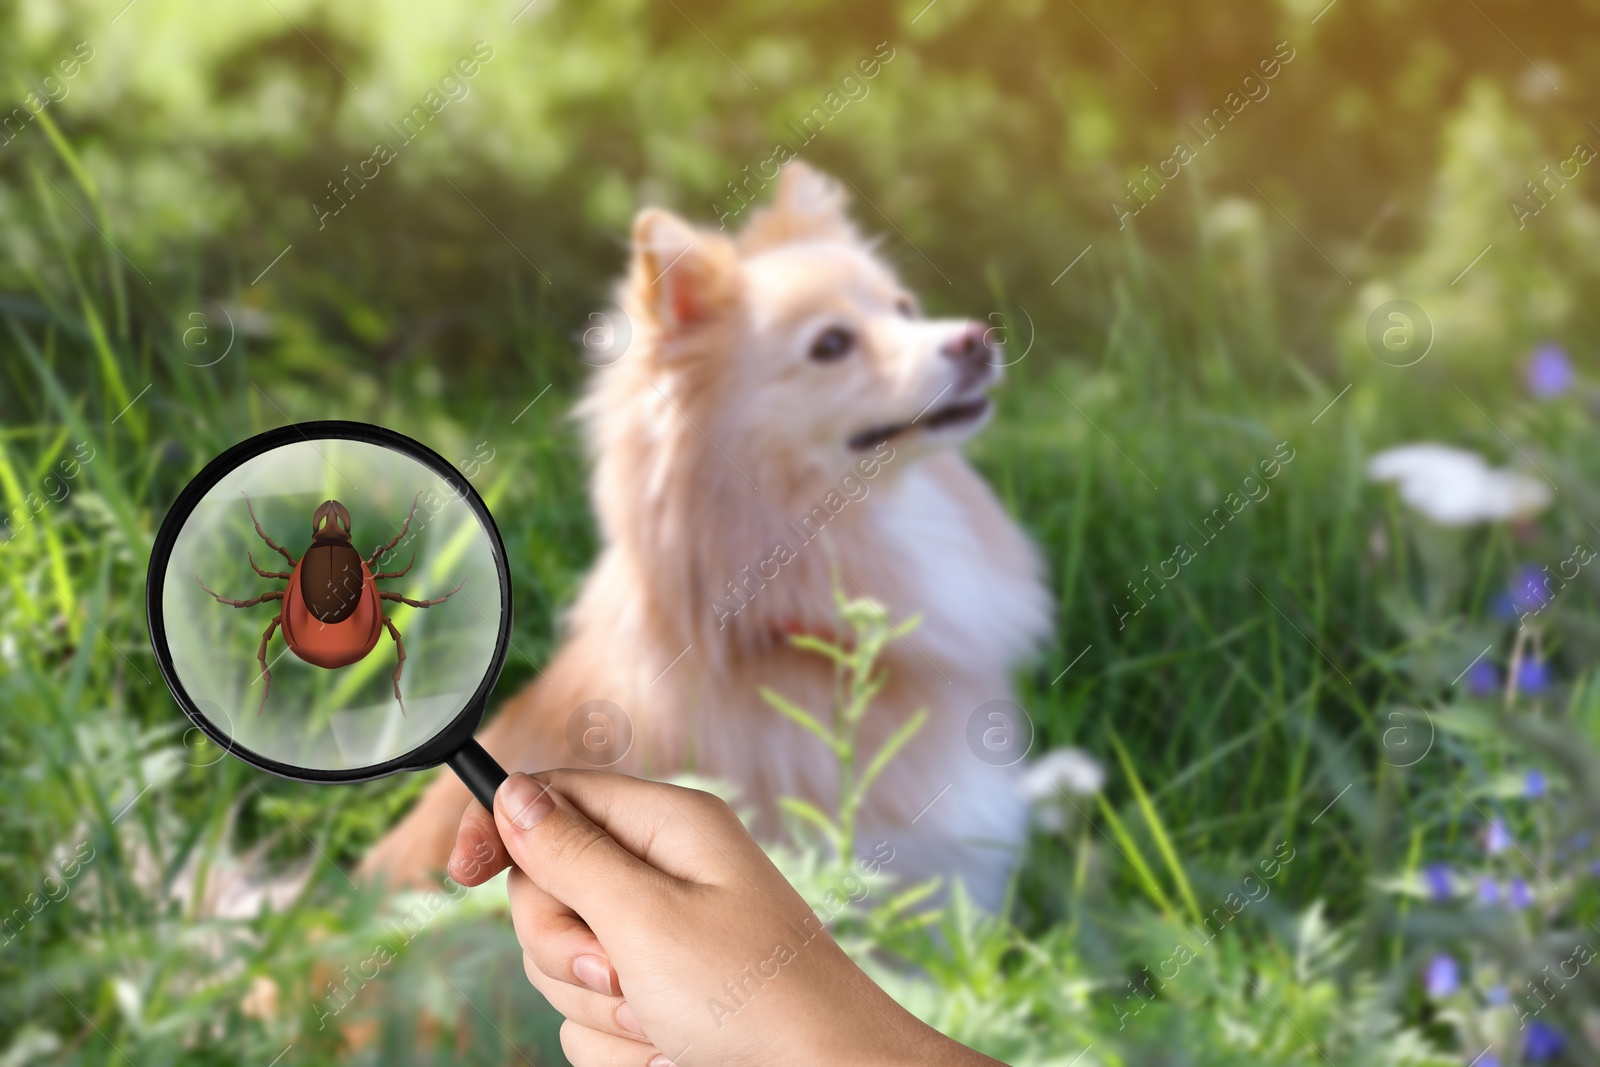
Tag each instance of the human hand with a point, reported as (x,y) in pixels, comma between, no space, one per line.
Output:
(658,927)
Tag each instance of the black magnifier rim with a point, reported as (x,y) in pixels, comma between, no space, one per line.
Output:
(447,741)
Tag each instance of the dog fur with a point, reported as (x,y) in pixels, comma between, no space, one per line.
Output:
(718,436)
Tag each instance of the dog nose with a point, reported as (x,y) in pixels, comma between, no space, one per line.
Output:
(971,345)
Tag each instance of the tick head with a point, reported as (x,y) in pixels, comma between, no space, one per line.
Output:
(331,522)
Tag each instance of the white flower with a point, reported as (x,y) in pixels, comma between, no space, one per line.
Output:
(1066,770)
(1455,487)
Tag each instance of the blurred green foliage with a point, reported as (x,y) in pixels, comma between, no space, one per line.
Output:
(990,149)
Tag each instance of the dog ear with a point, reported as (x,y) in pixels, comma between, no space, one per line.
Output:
(809,205)
(681,275)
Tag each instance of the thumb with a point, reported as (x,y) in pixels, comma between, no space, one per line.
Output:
(571,858)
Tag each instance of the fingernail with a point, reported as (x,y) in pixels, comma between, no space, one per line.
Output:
(660,1060)
(630,1022)
(524,801)
(593,972)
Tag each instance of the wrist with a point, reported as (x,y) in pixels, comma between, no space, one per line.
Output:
(907,1041)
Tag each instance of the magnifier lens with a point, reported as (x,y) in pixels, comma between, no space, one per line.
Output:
(355,571)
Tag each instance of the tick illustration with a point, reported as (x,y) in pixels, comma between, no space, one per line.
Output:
(332,609)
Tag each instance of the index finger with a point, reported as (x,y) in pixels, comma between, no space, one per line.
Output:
(686,833)
(572,859)
(691,835)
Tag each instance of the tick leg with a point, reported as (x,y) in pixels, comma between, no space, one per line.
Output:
(270,542)
(400,665)
(266,574)
(403,528)
(392,574)
(386,595)
(263,598)
(261,658)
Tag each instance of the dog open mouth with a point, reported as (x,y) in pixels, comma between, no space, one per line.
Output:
(963,412)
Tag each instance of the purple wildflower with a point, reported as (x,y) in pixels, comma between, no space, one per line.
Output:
(1499,995)
(1533,676)
(1483,679)
(1518,895)
(1544,1042)
(1440,885)
(1496,839)
(1530,589)
(1549,372)
(1534,785)
(1488,891)
(1443,976)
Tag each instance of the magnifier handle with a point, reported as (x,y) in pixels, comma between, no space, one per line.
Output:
(478,770)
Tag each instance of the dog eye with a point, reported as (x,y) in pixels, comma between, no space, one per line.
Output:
(831,344)
(905,307)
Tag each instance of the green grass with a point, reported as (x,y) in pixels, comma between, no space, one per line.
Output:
(1249,696)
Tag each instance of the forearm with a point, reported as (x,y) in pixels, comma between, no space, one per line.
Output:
(899,1038)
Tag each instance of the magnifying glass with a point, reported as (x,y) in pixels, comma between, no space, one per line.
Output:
(330,602)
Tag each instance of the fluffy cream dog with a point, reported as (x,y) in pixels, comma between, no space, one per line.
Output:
(782,420)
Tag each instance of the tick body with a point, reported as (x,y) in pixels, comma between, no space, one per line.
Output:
(331,609)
